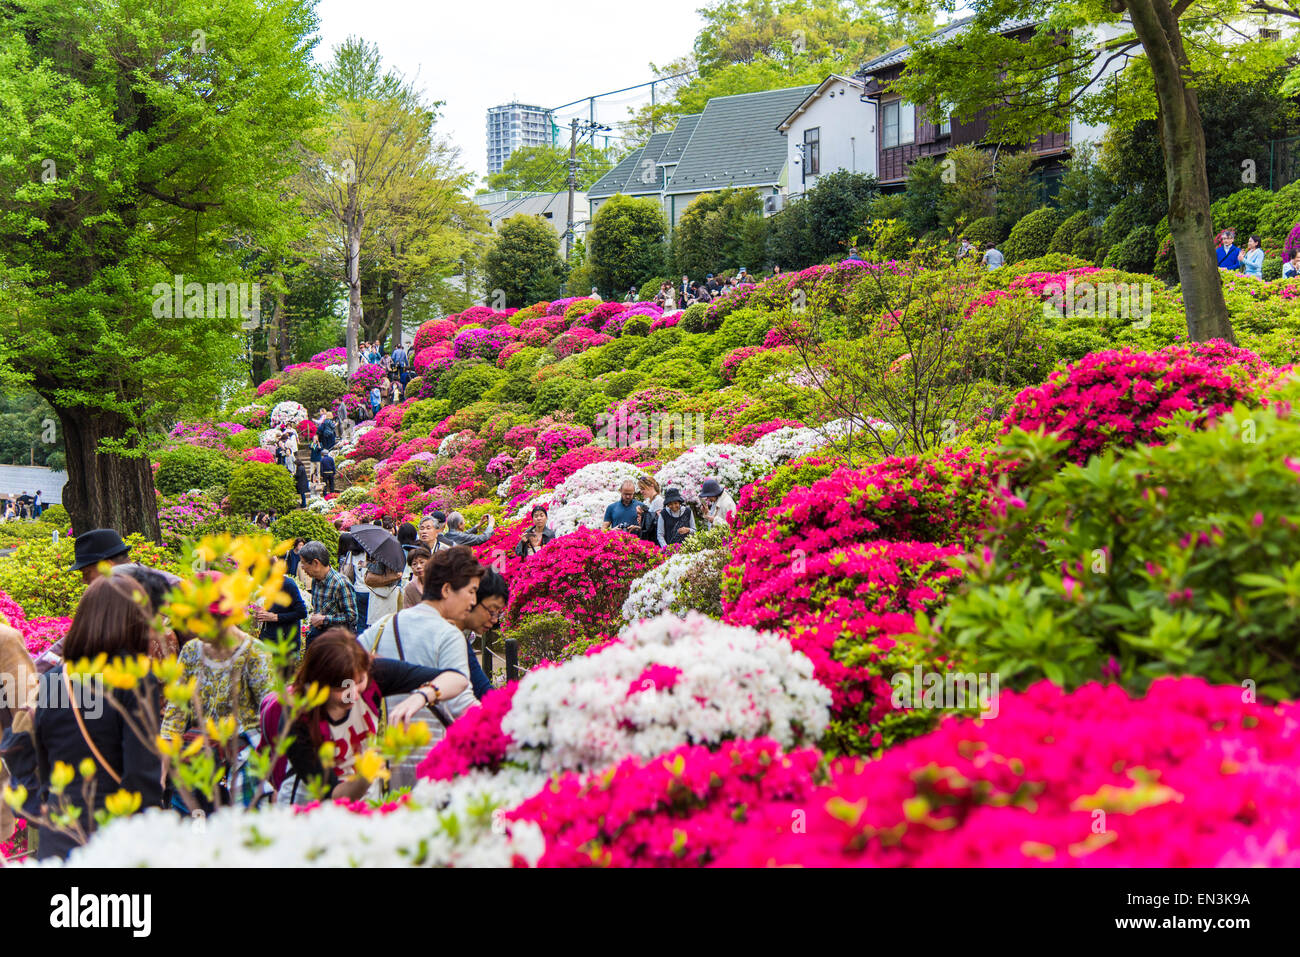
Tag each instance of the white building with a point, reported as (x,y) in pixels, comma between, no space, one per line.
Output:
(832,129)
(512,126)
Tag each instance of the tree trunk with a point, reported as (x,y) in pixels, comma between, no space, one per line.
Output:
(1183,141)
(273,334)
(105,490)
(395,313)
(355,221)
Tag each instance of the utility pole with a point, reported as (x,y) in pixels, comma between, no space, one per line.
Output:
(573,185)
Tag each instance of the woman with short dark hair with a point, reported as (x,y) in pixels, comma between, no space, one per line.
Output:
(426,635)
(75,721)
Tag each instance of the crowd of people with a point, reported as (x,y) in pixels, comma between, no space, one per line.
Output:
(24,507)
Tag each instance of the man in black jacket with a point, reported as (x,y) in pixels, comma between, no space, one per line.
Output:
(327,471)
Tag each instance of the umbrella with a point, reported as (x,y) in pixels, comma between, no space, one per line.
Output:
(380,544)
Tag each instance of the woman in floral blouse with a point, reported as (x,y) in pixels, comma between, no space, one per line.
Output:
(233,676)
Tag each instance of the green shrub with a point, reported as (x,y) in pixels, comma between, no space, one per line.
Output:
(638,326)
(55,515)
(38,574)
(1277,217)
(1063,238)
(1272,268)
(422,416)
(515,387)
(551,395)
(318,389)
(413,387)
(527,359)
(1126,215)
(695,318)
(286,393)
(1032,236)
(744,327)
(1240,211)
(1085,244)
(620,385)
(983,232)
(593,405)
(580,308)
(301,523)
(541,638)
(471,385)
(258,486)
(354,495)
(1201,584)
(1136,253)
(649,288)
(187,467)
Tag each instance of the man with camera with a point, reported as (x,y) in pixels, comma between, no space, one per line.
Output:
(623,515)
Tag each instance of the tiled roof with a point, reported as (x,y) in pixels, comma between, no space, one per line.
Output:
(681,135)
(736,142)
(946,33)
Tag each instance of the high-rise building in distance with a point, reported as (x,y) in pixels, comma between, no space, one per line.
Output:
(514,125)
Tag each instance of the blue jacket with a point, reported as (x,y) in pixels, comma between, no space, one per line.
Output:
(1228,258)
(478,679)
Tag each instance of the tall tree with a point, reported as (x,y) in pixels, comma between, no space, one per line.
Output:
(133,147)
(545,169)
(1066,69)
(377,129)
(523,264)
(625,244)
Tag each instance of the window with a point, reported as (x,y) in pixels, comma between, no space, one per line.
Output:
(945,124)
(812,151)
(898,123)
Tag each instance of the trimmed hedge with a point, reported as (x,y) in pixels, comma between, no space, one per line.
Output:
(186,467)
(1063,238)
(984,232)
(258,486)
(1135,253)
(312,526)
(1032,236)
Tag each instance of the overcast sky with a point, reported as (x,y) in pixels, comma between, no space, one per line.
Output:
(474,55)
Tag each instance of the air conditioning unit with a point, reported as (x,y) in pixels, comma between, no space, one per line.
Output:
(772,204)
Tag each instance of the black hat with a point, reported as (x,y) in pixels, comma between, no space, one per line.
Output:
(97,545)
(672,495)
(710,489)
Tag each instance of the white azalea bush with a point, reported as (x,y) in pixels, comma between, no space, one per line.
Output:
(581,499)
(339,369)
(653,593)
(287,414)
(444,824)
(789,443)
(667,682)
(734,466)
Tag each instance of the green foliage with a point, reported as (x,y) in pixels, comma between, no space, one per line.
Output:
(620,385)
(55,515)
(1015,188)
(1128,214)
(188,467)
(1279,216)
(984,232)
(1065,234)
(637,326)
(1179,559)
(591,406)
(422,416)
(695,317)
(1031,237)
(472,384)
(38,574)
(923,195)
(544,169)
(1085,244)
(541,638)
(259,486)
(649,288)
(524,261)
(969,195)
(1136,253)
(551,395)
(625,243)
(710,236)
(1240,211)
(318,389)
(301,523)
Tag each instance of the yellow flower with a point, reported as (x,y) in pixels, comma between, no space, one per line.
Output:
(116,677)
(371,765)
(316,695)
(168,669)
(61,776)
(85,666)
(413,735)
(327,754)
(15,797)
(194,747)
(223,730)
(181,692)
(169,747)
(122,803)
(86,768)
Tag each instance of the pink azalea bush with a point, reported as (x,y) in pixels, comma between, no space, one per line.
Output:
(583,576)
(732,360)
(265,456)
(1122,398)
(433,332)
(1188,776)
(559,439)
(752,433)
(367,376)
(474,742)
